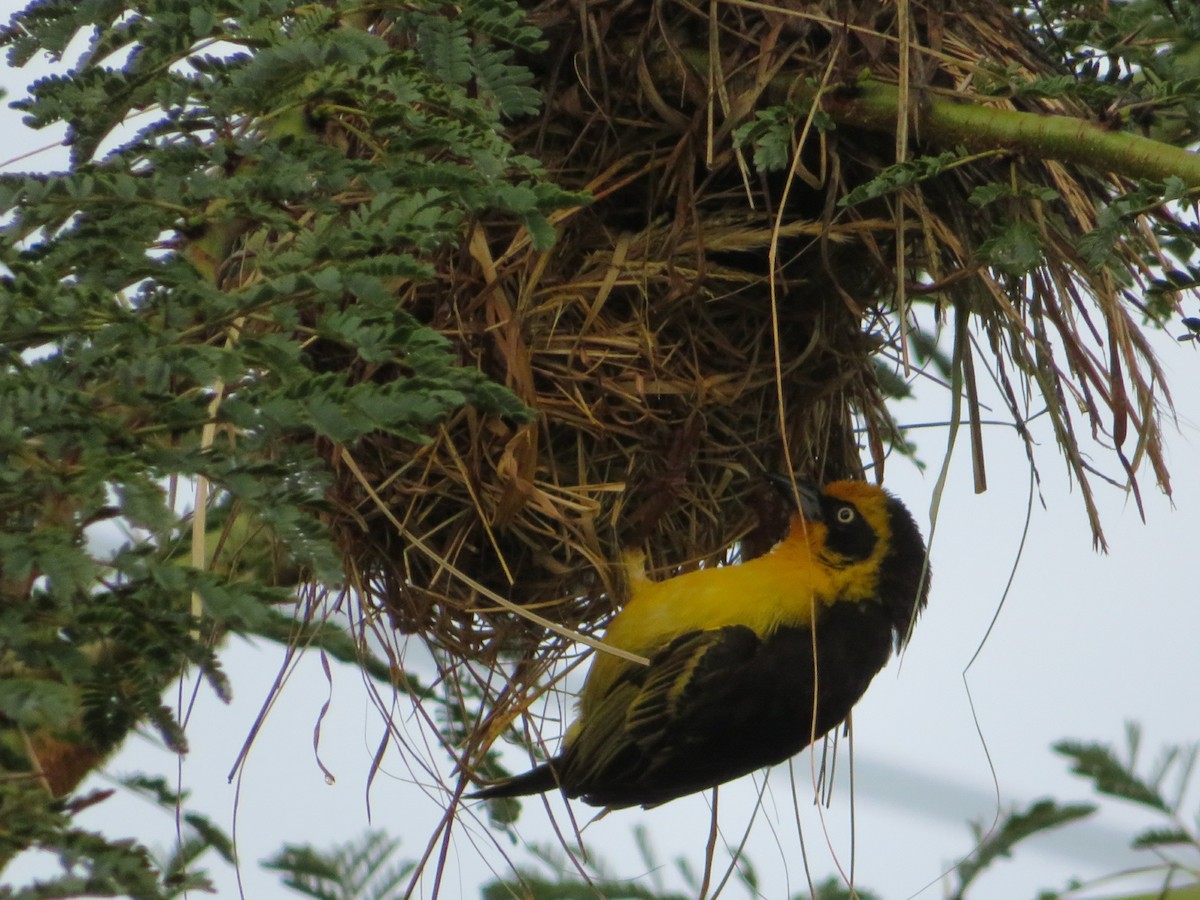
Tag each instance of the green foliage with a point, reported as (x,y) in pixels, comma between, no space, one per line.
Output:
(356,870)
(902,175)
(986,194)
(34,703)
(538,887)
(567,880)
(1013,828)
(220,290)
(363,870)
(1136,65)
(1097,245)
(771,134)
(1163,294)
(1161,790)
(1015,249)
(91,866)
(587,879)
(1153,80)
(198,835)
(1109,775)
(353,870)
(834,888)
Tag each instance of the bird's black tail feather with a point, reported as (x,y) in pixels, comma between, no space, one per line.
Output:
(535,781)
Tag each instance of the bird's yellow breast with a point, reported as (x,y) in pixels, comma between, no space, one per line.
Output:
(782,587)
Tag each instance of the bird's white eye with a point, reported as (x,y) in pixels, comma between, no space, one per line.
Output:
(845,515)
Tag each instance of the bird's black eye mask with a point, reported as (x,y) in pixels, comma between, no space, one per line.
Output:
(847,533)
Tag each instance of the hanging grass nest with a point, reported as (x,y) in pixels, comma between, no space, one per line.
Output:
(718,309)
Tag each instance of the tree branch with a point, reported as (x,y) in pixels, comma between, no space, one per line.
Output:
(949,122)
(961,120)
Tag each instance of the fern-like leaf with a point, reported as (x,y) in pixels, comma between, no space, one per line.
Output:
(1098,763)
(1015,827)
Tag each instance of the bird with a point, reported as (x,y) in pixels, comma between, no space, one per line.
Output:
(749,663)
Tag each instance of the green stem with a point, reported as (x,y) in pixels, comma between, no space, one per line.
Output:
(948,122)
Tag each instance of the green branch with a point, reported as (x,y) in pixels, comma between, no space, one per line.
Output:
(960,121)
(948,122)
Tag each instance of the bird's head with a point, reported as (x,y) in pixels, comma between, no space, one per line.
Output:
(869,537)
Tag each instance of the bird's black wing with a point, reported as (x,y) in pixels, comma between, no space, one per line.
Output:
(636,723)
(691,719)
(715,705)
(628,744)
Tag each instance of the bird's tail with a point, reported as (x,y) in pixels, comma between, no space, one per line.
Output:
(535,781)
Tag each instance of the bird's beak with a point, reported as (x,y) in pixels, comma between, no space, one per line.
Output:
(806,495)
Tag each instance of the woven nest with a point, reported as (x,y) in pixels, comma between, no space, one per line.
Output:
(702,321)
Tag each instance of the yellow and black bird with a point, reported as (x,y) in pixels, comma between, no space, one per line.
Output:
(749,663)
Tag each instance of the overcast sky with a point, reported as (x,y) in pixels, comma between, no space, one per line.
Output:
(1083,643)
